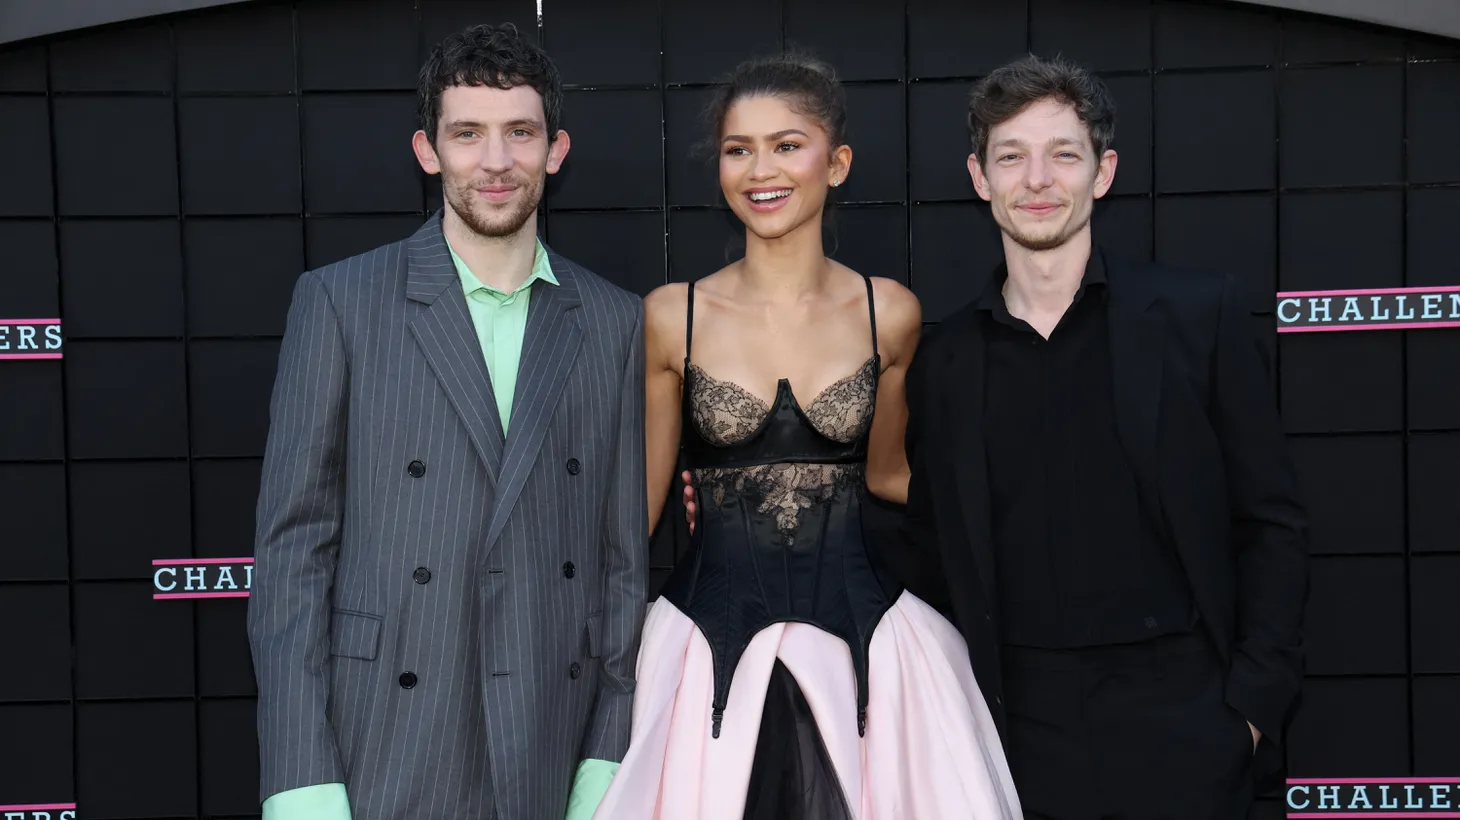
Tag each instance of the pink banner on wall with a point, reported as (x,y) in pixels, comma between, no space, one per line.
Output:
(1318,311)
(30,339)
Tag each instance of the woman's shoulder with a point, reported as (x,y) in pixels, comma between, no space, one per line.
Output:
(666,299)
(896,305)
(665,314)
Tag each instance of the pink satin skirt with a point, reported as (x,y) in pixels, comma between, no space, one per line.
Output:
(930,752)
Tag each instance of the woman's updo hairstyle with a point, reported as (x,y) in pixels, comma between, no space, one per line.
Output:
(808,86)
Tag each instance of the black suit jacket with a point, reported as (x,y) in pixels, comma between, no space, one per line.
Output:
(1196,412)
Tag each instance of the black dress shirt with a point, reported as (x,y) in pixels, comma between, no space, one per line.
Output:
(1079,563)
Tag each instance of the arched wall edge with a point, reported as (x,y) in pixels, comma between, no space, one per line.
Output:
(25,20)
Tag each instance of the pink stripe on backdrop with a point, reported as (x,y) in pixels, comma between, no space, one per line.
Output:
(165,562)
(1357,781)
(39,807)
(1366,292)
(29,322)
(1379,326)
(30,355)
(169,596)
(1390,814)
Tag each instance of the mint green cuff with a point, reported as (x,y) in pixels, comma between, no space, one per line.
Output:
(327,801)
(589,787)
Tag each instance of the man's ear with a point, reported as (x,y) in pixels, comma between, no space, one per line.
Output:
(558,151)
(425,153)
(980,180)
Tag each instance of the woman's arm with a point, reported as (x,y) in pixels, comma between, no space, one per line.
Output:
(899,326)
(664,328)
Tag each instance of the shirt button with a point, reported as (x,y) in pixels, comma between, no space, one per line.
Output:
(574,467)
(421,575)
(569,570)
(575,670)
(416,469)
(408,680)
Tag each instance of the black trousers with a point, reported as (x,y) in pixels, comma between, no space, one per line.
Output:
(1128,732)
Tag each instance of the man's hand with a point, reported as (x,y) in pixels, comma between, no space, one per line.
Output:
(1256,736)
(689,502)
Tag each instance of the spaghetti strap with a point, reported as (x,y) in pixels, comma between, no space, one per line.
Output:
(871,312)
(689,322)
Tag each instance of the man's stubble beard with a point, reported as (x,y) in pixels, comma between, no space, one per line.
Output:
(1041,243)
(489,221)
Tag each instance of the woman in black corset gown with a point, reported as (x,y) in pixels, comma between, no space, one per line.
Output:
(783,674)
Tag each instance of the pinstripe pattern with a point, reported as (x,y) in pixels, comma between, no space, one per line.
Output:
(380,367)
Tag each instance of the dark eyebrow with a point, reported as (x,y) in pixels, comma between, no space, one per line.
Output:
(1018,143)
(769,137)
(518,123)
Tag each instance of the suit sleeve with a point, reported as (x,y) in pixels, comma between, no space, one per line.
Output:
(1269,530)
(299,515)
(626,565)
(916,557)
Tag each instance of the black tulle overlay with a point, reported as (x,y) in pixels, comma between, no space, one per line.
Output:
(792,775)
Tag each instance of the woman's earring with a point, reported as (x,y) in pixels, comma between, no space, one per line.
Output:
(835,183)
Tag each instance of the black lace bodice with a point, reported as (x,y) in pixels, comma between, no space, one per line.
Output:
(726,415)
(779,489)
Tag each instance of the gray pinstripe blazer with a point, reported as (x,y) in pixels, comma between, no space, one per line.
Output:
(441,619)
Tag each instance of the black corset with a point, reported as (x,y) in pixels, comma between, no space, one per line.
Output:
(778,535)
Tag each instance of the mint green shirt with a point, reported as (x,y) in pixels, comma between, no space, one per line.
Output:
(501,322)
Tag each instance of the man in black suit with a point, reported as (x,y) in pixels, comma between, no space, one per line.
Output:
(1101,495)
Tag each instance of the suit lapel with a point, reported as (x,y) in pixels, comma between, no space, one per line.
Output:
(1137,352)
(549,348)
(444,330)
(963,415)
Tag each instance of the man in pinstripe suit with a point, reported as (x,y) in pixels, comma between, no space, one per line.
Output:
(451,564)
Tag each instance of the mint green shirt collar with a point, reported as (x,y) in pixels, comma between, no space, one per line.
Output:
(541,269)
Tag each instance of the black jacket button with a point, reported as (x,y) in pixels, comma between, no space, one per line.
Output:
(421,575)
(569,570)
(416,469)
(575,670)
(408,680)
(574,467)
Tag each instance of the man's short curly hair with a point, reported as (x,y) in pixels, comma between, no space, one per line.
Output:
(1013,87)
(498,56)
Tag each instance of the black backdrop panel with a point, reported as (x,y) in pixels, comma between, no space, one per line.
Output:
(1436,723)
(48,764)
(124,278)
(231,170)
(124,58)
(954,38)
(862,39)
(586,57)
(25,157)
(704,48)
(30,246)
(166,181)
(23,69)
(1434,484)
(237,50)
(1235,140)
(1433,118)
(1208,35)
(35,522)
